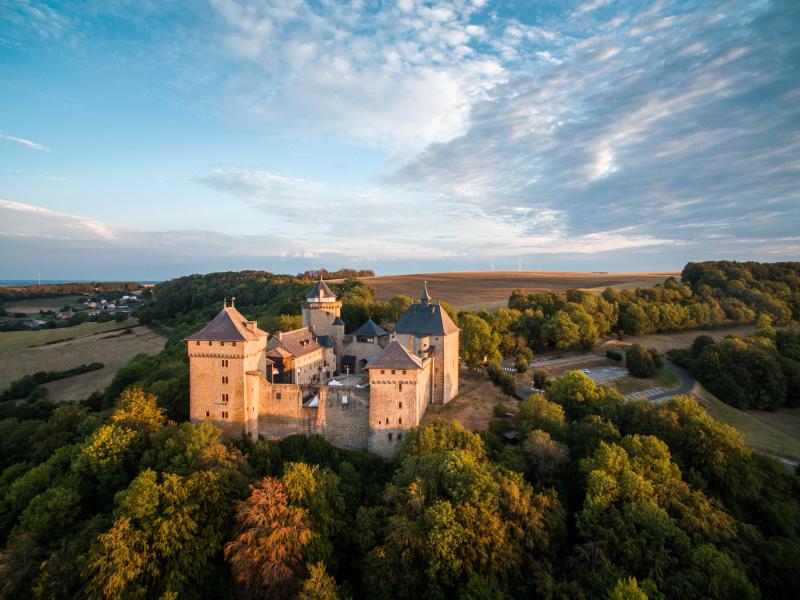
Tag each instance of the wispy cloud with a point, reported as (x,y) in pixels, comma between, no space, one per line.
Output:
(24,142)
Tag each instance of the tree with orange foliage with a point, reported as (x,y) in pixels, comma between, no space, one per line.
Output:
(266,553)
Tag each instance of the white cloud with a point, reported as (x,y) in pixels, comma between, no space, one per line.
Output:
(24,142)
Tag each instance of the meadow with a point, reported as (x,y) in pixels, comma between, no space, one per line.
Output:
(112,348)
(17,340)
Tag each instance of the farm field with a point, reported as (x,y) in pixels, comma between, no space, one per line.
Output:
(474,405)
(113,349)
(476,290)
(16,340)
(34,305)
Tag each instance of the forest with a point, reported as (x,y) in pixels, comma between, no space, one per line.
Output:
(119,497)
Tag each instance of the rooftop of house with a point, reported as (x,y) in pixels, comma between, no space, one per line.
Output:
(228,326)
(297,343)
(394,356)
(370,329)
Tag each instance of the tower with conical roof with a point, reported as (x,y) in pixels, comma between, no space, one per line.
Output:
(321,309)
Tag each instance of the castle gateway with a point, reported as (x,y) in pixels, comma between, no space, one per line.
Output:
(358,390)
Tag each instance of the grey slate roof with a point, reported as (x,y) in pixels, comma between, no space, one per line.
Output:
(338,321)
(321,290)
(326,340)
(371,329)
(297,343)
(394,356)
(423,319)
(228,326)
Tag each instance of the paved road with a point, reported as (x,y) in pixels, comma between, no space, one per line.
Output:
(687,383)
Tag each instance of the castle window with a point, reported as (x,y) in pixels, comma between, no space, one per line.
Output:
(224,380)
(390,437)
(197,343)
(393,371)
(222,343)
(224,398)
(224,362)
(400,421)
(387,420)
(233,343)
(404,371)
(400,405)
(383,372)
(277,395)
(224,415)
(400,385)
(207,414)
(399,436)
(210,343)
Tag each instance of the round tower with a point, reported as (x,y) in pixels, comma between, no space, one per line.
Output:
(320,309)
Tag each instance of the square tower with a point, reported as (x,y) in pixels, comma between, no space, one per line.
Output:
(220,357)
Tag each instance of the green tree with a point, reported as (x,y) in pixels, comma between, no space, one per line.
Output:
(640,362)
(479,344)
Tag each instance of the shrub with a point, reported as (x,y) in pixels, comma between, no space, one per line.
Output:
(615,355)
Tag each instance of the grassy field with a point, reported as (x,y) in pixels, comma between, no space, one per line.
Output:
(472,291)
(113,349)
(474,405)
(679,339)
(775,433)
(34,305)
(16,340)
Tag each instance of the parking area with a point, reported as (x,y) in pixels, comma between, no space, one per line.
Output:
(600,374)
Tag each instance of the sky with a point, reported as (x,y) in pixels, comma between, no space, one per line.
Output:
(148,140)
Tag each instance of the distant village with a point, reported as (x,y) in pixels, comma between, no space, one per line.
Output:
(99,307)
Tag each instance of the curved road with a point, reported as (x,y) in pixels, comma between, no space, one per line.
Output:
(687,383)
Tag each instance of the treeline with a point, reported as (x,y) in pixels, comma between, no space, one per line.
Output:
(601,498)
(340,274)
(710,294)
(760,371)
(54,290)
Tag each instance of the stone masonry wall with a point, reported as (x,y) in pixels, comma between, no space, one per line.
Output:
(346,416)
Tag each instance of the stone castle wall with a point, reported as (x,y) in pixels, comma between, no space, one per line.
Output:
(343,416)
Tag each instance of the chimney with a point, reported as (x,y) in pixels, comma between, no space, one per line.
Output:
(251,326)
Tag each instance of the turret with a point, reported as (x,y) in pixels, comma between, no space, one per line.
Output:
(320,309)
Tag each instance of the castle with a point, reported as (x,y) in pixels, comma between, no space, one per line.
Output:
(358,390)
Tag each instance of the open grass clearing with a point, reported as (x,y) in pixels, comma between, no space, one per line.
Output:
(17,340)
(760,431)
(491,289)
(111,349)
(474,405)
(678,339)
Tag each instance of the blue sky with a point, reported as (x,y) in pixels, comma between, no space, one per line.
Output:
(147,140)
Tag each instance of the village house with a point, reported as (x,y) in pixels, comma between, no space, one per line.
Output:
(360,390)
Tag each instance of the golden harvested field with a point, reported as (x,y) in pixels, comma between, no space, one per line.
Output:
(476,290)
(16,340)
(113,349)
(474,405)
